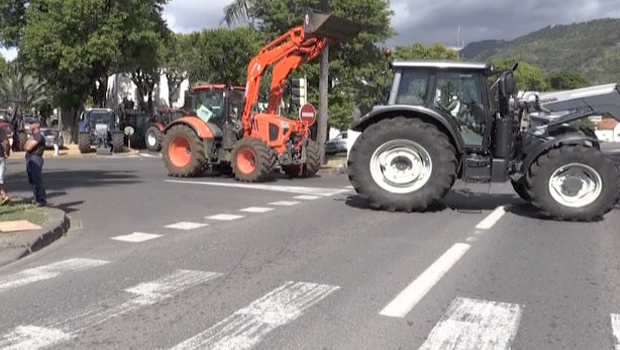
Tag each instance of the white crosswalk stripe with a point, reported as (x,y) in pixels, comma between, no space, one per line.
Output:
(247,327)
(64,328)
(475,324)
(46,272)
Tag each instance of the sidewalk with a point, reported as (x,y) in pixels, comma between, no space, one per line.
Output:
(72,151)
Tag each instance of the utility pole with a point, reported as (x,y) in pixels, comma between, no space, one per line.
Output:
(323,94)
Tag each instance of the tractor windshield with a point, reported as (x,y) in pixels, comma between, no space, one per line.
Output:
(208,104)
(100,117)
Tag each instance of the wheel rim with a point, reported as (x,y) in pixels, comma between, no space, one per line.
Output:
(401,166)
(246,161)
(151,139)
(180,152)
(575,185)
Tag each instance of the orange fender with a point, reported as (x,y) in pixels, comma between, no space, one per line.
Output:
(200,127)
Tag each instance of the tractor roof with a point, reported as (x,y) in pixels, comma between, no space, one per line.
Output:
(441,64)
(216,87)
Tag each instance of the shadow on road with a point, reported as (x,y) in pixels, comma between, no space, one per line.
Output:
(464,200)
(58,180)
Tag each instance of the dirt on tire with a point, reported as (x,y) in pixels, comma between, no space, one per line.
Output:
(198,161)
(265,160)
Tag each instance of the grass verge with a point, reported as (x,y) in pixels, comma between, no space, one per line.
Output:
(23,211)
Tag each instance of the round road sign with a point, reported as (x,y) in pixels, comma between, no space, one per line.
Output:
(128,130)
(307,113)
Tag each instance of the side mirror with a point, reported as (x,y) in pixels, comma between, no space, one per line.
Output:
(508,86)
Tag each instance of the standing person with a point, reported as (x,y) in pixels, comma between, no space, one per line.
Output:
(5,150)
(34,148)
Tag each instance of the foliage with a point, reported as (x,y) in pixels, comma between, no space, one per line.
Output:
(222,55)
(419,51)
(22,90)
(590,47)
(585,124)
(3,64)
(177,53)
(12,21)
(567,80)
(528,77)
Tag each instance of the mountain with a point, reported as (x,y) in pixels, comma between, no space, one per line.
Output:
(591,47)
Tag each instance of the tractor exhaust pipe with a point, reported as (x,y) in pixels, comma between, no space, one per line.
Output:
(329,26)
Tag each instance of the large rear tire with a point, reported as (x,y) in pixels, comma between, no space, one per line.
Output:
(574,183)
(154,139)
(402,164)
(84,142)
(310,167)
(252,160)
(183,152)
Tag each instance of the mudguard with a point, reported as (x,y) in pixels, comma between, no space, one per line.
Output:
(200,127)
(159,126)
(384,112)
(535,149)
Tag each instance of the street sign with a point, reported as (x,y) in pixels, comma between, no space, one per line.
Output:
(129,131)
(307,113)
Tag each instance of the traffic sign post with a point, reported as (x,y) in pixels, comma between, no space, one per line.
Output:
(307,113)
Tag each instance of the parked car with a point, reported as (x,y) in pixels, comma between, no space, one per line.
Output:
(336,145)
(52,135)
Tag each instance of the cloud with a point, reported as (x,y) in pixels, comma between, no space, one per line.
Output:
(9,55)
(435,21)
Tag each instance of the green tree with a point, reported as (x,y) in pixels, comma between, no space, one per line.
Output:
(222,55)
(419,51)
(22,90)
(2,64)
(76,44)
(528,77)
(12,21)
(178,51)
(567,80)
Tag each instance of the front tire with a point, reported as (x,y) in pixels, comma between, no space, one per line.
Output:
(252,160)
(402,164)
(310,167)
(575,183)
(183,152)
(84,142)
(118,142)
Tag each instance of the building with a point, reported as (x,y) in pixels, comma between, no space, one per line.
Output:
(608,129)
(120,86)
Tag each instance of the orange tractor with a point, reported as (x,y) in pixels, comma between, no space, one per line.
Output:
(225,128)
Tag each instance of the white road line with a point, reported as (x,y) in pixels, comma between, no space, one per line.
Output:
(136,237)
(186,225)
(307,197)
(284,203)
(410,296)
(256,210)
(491,219)
(318,191)
(63,328)
(46,272)
(247,327)
(349,187)
(475,324)
(224,217)
(615,327)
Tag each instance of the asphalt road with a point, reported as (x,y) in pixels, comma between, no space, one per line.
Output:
(307,267)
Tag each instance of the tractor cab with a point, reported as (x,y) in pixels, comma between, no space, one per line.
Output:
(218,105)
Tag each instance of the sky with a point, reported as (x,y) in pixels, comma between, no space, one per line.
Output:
(428,22)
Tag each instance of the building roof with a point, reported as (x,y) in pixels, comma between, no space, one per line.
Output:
(607,124)
(440,64)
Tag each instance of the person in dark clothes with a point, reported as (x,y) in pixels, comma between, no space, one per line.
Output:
(34,147)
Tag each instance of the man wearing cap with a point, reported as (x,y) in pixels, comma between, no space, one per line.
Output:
(34,148)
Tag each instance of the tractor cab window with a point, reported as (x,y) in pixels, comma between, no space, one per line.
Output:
(209,105)
(412,89)
(237,99)
(460,95)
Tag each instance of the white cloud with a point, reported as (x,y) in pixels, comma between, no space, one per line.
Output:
(435,21)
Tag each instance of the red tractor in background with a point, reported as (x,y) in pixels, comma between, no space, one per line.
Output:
(227,131)
(154,135)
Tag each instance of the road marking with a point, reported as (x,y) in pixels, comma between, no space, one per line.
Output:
(47,271)
(186,225)
(615,326)
(318,191)
(284,203)
(224,217)
(410,296)
(150,155)
(248,326)
(491,219)
(475,324)
(256,210)
(349,187)
(307,197)
(62,328)
(136,237)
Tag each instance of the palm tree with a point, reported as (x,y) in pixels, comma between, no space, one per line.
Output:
(22,89)
(237,10)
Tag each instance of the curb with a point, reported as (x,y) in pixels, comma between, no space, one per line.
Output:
(333,170)
(15,246)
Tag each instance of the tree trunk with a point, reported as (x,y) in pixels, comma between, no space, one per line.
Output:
(68,123)
(323,106)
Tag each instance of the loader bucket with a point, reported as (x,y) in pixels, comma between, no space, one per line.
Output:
(330,26)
